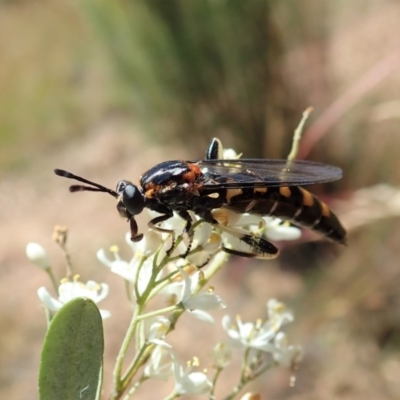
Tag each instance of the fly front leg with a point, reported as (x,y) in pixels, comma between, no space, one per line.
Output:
(187,230)
(161,218)
(135,236)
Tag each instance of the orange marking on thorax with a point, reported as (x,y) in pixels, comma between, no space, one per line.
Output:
(149,193)
(193,174)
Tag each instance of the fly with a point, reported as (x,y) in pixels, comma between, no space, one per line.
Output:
(256,186)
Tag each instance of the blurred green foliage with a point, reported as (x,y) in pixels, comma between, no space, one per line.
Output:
(185,71)
(193,69)
(49,81)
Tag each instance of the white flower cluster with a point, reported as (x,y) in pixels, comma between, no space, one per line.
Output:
(266,337)
(68,289)
(152,270)
(266,340)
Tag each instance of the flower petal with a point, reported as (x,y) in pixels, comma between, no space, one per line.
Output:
(204,301)
(50,302)
(202,315)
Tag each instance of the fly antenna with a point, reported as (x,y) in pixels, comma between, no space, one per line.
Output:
(95,187)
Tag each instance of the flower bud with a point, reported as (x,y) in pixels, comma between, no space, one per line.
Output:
(37,254)
(221,355)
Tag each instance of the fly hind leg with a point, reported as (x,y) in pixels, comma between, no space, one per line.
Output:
(260,247)
(263,248)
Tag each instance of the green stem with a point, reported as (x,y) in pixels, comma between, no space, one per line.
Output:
(235,390)
(297,135)
(128,291)
(137,294)
(243,378)
(68,261)
(135,365)
(214,383)
(158,312)
(133,389)
(49,271)
(122,381)
(166,278)
(118,387)
(214,268)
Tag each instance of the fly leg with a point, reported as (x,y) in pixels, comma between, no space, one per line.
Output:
(135,236)
(153,225)
(262,249)
(188,231)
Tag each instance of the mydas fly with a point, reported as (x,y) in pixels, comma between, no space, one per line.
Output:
(255,186)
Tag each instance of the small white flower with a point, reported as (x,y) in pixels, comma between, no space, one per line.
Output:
(160,365)
(199,301)
(213,243)
(276,229)
(138,270)
(201,234)
(71,290)
(196,303)
(37,254)
(188,382)
(143,249)
(278,314)
(259,336)
(118,266)
(285,354)
(249,335)
(230,154)
(205,240)
(234,219)
(221,355)
(157,331)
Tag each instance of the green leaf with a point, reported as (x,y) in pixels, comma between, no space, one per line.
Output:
(72,354)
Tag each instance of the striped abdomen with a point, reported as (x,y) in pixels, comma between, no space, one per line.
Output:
(290,203)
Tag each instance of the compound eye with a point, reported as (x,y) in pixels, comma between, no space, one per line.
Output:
(132,198)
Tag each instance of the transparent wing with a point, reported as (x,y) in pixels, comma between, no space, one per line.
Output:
(266,172)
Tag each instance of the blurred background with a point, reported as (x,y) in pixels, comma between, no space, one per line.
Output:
(109,89)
